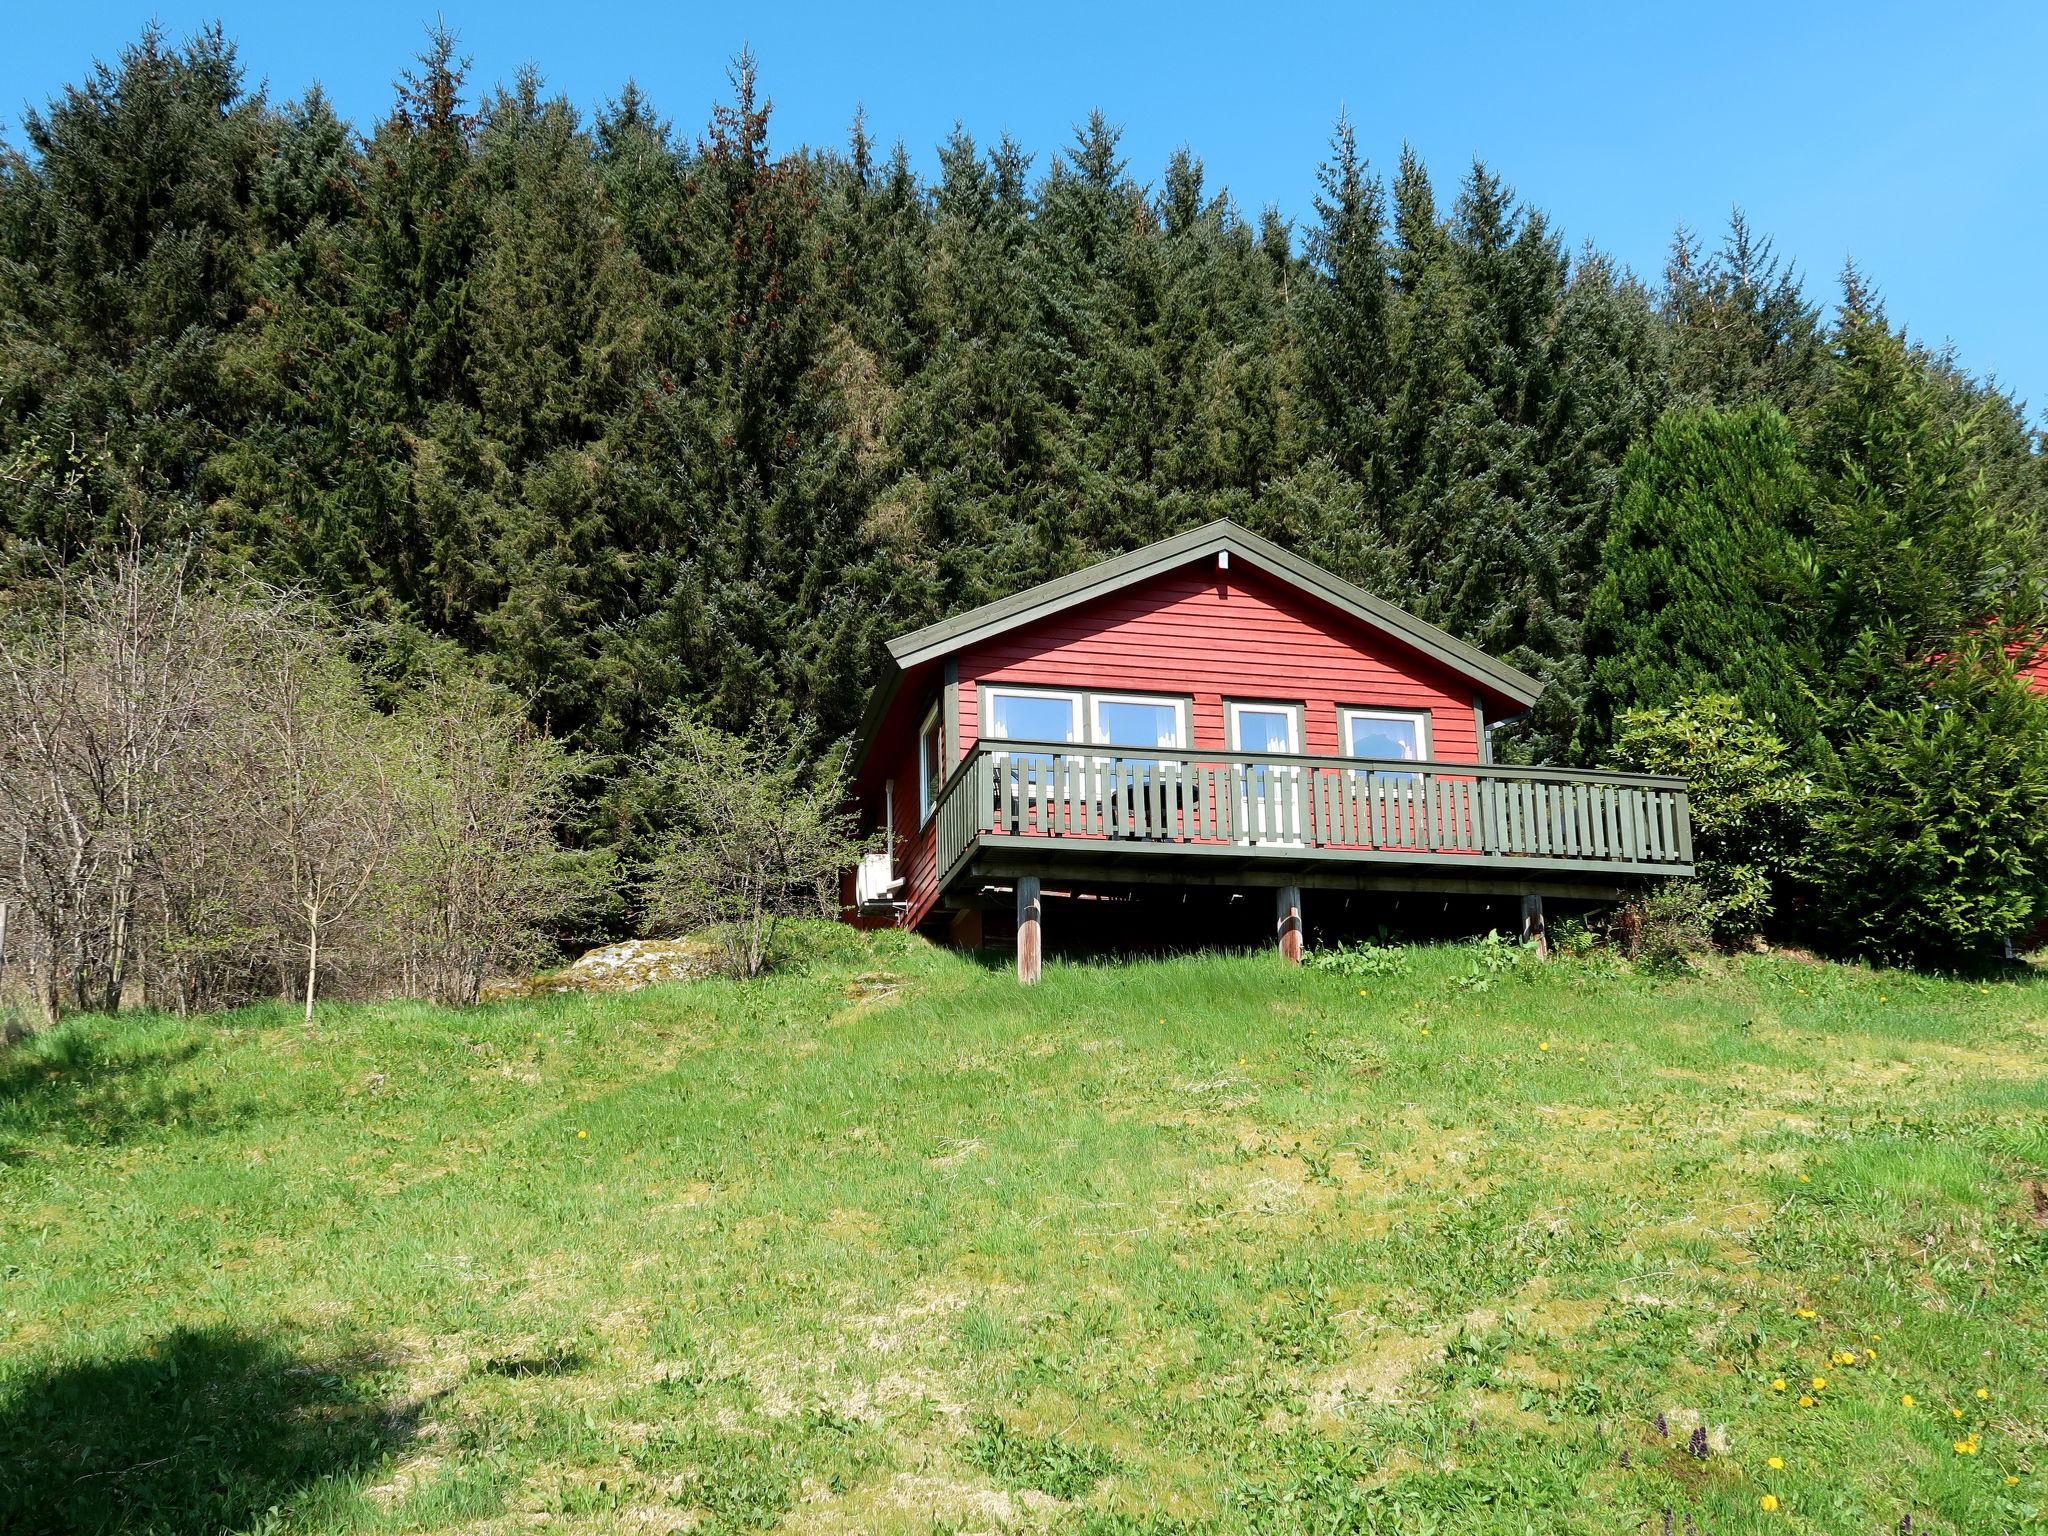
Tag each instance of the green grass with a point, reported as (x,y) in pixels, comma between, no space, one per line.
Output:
(888,1243)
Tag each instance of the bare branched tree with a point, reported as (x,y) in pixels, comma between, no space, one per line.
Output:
(322,800)
(99,692)
(199,795)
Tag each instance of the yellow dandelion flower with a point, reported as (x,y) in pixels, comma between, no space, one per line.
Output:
(1964,1448)
(1778,1385)
(1776,1463)
(1805,1401)
(2011,1481)
(1806,1178)
(1906,1399)
(1870,1355)
(1820,1383)
(1983,1394)
(1804,1312)
(583,1135)
(1877,1338)
(1768,1502)
(1955,1413)
(1543,1045)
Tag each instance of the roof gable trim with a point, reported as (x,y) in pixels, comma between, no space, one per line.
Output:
(1122,571)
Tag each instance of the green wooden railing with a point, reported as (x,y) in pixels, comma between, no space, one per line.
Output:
(1266,800)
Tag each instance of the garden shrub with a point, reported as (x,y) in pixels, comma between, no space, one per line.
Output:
(1665,927)
(1930,839)
(1749,805)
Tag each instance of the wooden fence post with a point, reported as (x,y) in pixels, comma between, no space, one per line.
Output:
(1533,931)
(1288,921)
(1027,930)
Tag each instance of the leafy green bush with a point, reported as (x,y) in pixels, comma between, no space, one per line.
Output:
(1931,838)
(1359,960)
(1494,956)
(1749,806)
(1572,939)
(1666,926)
(756,836)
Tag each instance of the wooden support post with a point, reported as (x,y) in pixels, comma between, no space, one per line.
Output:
(1288,921)
(1027,930)
(1533,931)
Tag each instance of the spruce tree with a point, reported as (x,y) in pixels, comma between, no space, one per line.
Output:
(129,229)
(1707,581)
(1741,326)
(1906,537)
(1345,322)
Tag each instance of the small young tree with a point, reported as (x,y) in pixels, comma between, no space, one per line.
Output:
(481,875)
(322,800)
(1749,806)
(1931,838)
(758,835)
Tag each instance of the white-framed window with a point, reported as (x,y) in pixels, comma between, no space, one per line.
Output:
(1263,727)
(1032,714)
(931,762)
(1396,735)
(1137,720)
(1268,795)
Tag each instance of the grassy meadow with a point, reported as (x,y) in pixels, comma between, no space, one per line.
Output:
(886,1243)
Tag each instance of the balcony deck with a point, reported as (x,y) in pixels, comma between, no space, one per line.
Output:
(1155,815)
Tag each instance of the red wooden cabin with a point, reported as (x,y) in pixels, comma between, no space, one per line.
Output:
(1211,710)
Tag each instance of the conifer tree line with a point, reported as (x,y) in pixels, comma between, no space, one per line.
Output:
(636,416)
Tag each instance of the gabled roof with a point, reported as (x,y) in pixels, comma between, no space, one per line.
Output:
(1126,570)
(949,635)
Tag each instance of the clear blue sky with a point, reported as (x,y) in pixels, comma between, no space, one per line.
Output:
(1909,137)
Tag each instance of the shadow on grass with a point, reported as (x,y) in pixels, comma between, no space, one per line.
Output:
(561,1361)
(202,1431)
(73,1086)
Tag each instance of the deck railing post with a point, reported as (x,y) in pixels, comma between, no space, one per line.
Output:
(1028,938)
(1288,923)
(1533,930)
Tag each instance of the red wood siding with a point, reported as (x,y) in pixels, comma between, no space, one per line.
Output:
(1196,633)
(916,849)
(1228,635)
